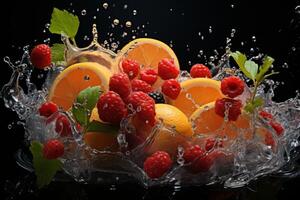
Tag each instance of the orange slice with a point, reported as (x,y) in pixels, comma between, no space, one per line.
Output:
(148,52)
(205,121)
(75,78)
(195,93)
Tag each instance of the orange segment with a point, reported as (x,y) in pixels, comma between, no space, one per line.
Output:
(196,92)
(75,78)
(205,121)
(148,52)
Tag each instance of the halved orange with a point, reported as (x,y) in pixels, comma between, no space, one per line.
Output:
(195,93)
(75,78)
(205,121)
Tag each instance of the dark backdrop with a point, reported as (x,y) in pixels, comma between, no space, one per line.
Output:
(275,24)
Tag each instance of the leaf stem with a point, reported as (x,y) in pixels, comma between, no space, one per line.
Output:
(74,42)
(254,91)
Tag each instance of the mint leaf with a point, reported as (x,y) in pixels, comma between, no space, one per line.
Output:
(64,22)
(267,63)
(257,102)
(240,59)
(44,169)
(57,52)
(85,103)
(96,126)
(252,68)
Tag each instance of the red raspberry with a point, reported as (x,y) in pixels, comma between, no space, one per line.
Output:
(232,86)
(139,85)
(277,127)
(111,108)
(167,69)
(144,106)
(200,71)
(266,115)
(200,162)
(157,164)
(149,76)
(171,88)
(211,143)
(53,149)
(41,56)
(47,109)
(120,84)
(131,68)
(231,105)
(63,126)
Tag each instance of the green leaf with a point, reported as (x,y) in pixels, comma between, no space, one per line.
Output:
(96,126)
(257,102)
(64,22)
(85,103)
(240,59)
(44,169)
(267,63)
(252,68)
(57,52)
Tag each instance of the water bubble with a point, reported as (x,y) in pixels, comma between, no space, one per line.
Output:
(83,12)
(297,9)
(134,12)
(125,6)
(253,38)
(9,126)
(128,24)
(116,22)
(114,45)
(105,5)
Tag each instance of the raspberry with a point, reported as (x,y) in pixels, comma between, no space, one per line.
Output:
(157,164)
(167,69)
(200,162)
(63,126)
(157,97)
(200,71)
(111,108)
(131,68)
(120,84)
(143,105)
(232,106)
(266,115)
(47,109)
(149,76)
(53,149)
(41,56)
(232,86)
(277,127)
(171,88)
(139,85)
(211,143)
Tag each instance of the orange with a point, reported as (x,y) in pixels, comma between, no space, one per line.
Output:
(205,121)
(75,78)
(195,93)
(101,140)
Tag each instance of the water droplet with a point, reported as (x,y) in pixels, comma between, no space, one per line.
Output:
(253,38)
(232,32)
(293,48)
(83,12)
(209,29)
(125,6)
(190,62)
(252,50)
(124,34)
(201,52)
(116,22)
(297,9)
(40,76)
(171,9)
(134,12)
(202,37)
(47,25)
(232,5)
(146,34)
(242,43)
(94,17)
(105,5)
(133,37)
(86,37)
(128,24)
(98,9)
(114,45)
(9,126)
(199,33)
(86,77)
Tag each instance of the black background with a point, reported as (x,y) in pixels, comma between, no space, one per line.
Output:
(275,24)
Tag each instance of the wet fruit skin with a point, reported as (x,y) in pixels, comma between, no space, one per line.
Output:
(47,109)
(157,164)
(41,56)
(53,149)
(200,71)
(232,86)
(171,88)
